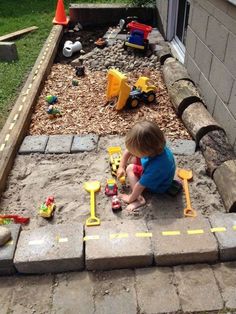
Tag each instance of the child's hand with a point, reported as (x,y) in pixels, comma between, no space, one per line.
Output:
(124,197)
(121,172)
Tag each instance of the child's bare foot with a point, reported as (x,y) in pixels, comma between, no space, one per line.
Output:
(136,204)
(124,197)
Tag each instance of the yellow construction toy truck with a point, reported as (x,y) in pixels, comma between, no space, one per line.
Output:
(128,97)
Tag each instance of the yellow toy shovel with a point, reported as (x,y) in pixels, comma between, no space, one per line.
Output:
(92,187)
(186,175)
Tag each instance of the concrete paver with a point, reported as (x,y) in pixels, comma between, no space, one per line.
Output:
(84,143)
(225,274)
(156,291)
(226,239)
(197,288)
(33,144)
(181,247)
(54,248)
(115,292)
(117,246)
(182,147)
(7,251)
(58,144)
(73,293)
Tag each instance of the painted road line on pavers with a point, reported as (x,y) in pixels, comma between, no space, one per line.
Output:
(218,229)
(143,234)
(196,231)
(119,236)
(170,233)
(92,237)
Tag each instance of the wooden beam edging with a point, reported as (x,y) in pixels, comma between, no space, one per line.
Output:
(18,121)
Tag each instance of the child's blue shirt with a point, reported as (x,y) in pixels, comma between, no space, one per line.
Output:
(158,172)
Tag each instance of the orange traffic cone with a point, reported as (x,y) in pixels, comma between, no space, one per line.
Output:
(60,17)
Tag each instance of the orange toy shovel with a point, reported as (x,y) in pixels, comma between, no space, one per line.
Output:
(186,175)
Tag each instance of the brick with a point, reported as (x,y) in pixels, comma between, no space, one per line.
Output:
(7,251)
(216,37)
(226,119)
(54,248)
(226,240)
(8,51)
(208,93)
(84,143)
(199,21)
(32,294)
(106,253)
(225,274)
(197,287)
(230,55)
(33,144)
(73,293)
(192,69)
(182,147)
(59,144)
(183,248)
(156,291)
(191,42)
(232,101)
(203,57)
(221,79)
(115,292)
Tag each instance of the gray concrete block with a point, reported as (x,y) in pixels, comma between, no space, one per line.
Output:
(156,291)
(226,119)
(33,144)
(182,147)
(226,239)
(84,143)
(208,93)
(221,79)
(54,248)
(117,246)
(225,274)
(199,21)
(73,293)
(225,19)
(59,144)
(192,68)
(115,292)
(183,248)
(8,250)
(8,51)
(203,57)
(216,37)
(230,56)
(191,40)
(197,287)
(232,101)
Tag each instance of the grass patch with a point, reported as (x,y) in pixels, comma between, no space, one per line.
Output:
(16,15)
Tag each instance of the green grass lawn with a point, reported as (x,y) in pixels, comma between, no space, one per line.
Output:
(16,15)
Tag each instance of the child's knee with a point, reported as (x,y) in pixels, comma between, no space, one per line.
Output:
(130,169)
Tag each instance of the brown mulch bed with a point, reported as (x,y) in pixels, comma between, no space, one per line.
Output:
(85,110)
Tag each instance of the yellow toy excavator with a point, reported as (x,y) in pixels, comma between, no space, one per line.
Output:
(128,97)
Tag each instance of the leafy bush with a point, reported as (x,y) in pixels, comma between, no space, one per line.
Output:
(143,2)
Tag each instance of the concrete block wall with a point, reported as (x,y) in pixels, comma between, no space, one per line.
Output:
(211,58)
(162,9)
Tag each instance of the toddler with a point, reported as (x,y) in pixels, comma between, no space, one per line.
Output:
(152,168)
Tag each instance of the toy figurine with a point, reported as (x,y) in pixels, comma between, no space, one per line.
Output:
(7,219)
(51,99)
(47,209)
(75,82)
(116,204)
(53,111)
(111,187)
(80,70)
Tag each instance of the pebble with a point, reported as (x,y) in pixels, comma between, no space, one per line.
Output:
(5,235)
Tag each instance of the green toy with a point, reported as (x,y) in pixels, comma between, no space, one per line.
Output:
(51,99)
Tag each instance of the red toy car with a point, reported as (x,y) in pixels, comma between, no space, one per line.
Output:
(111,187)
(116,205)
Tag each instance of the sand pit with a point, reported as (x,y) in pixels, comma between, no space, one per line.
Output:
(35,177)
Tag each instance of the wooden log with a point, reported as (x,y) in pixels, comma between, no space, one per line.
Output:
(225,180)
(199,121)
(18,33)
(182,94)
(216,150)
(163,53)
(174,71)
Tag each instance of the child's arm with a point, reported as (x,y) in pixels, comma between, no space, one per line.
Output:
(123,162)
(137,191)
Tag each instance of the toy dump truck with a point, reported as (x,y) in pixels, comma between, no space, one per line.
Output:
(128,97)
(138,38)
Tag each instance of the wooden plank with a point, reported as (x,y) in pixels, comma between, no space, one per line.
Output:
(18,33)
(18,121)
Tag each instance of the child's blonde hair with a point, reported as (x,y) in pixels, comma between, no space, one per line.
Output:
(145,138)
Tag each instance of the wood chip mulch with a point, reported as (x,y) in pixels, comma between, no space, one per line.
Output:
(85,109)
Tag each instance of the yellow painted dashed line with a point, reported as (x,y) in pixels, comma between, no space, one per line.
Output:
(119,235)
(7,137)
(63,240)
(143,234)
(11,126)
(30,85)
(196,231)
(234,228)
(16,116)
(218,229)
(36,242)
(2,147)
(10,242)
(36,72)
(20,108)
(170,233)
(92,237)
(24,99)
